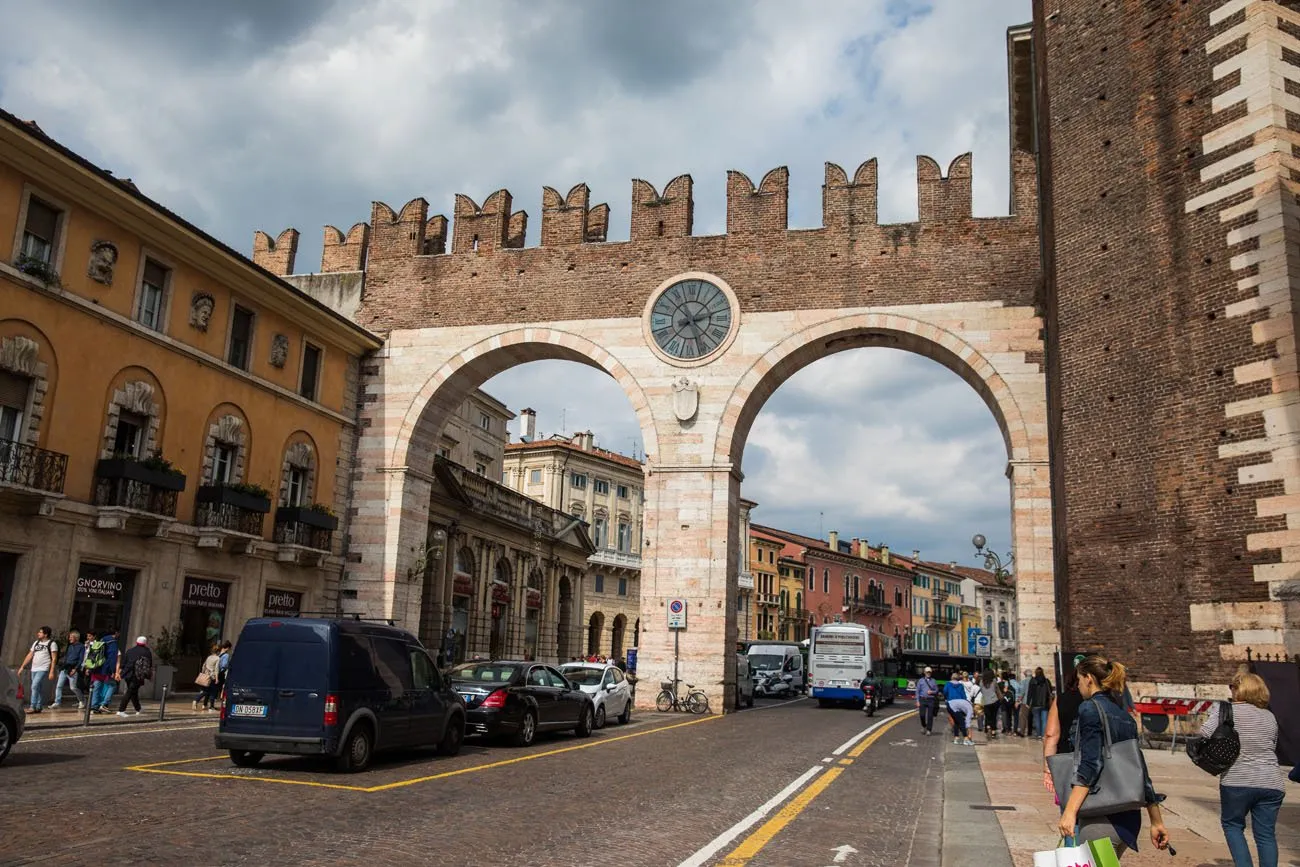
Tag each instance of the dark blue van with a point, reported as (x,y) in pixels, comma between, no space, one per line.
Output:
(340,688)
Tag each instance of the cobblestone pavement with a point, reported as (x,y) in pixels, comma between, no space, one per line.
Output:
(652,793)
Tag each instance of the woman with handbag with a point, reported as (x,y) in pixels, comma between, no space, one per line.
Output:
(1108,766)
(1254,783)
(207,679)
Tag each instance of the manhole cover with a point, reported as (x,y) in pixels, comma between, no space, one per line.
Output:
(991,807)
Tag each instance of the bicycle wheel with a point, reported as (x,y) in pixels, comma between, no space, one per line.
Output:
(697,702)
(664,702)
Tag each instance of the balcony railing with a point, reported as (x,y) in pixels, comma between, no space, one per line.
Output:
(869,604)
(768,599)
(615,559)
(940,619)
(29,467)
(304,526)
(504,503)
(129,483)
(226,517)
(794,615)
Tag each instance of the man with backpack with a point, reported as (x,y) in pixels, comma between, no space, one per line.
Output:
(101,665)
(42,657)
(135,670)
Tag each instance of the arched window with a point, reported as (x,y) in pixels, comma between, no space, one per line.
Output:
(1002,630)
(298,475)
(988,624)
(798,601)
(465,561)
(225,450)
(134,418)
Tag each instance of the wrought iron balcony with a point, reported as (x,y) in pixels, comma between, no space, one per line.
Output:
(794,615)
(305,534)
(941,620)
(31,478)
(869,604)
(768,599)
(131,491)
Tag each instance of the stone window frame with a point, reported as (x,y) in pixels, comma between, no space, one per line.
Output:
(60,230)
(320,368)
(299,455)
(21,356)
(150,254)
(237,302)
(134,396)
(230,430)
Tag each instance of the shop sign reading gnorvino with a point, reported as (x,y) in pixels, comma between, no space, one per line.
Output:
(99,588)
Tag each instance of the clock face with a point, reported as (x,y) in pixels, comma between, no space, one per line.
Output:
(690,319)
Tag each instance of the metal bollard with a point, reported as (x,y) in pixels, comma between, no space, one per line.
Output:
(90,694)
(162,705)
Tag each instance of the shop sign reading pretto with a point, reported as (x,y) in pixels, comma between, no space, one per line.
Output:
(281,603)
(201,593)
(95,587)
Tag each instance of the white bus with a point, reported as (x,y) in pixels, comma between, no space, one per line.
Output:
(840,657)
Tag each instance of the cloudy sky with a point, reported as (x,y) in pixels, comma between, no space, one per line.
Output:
(248,114)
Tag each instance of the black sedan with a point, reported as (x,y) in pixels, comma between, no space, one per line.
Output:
(520,699)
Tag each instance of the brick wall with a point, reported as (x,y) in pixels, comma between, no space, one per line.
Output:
(1151,516)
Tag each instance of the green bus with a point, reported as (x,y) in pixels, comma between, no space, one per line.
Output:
(907,667)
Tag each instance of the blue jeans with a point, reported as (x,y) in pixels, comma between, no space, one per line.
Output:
(1040,721)
(68,679)
(1262,804)
(102,693)
(37,697)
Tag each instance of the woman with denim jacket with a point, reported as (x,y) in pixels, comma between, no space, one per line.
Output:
(1101,684)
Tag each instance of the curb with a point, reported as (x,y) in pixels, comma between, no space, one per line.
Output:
(143,719)
(970,835)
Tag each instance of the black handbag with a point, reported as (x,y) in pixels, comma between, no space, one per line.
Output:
(1220,750)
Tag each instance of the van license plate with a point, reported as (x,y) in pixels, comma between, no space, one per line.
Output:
(248,710)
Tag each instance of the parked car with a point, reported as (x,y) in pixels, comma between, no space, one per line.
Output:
(520,699)
(607,686)
(340,688)
(744,682)
(13,718)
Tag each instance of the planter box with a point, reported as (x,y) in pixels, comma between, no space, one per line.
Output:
(224,495)
(304,515)
(163,675)
(133,470)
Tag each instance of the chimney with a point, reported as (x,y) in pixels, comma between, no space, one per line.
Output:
(833,540)
(864,549)
(527,425)
(884,554)
(952,565)
(916,555)
(586,440)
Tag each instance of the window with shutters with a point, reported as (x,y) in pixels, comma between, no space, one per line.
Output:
(310,381)
(40,231)
(297,485)
(128,441)
(241,338)
(153,295)
(13,405)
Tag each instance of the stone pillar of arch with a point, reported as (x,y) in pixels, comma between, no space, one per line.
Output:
(1031,533)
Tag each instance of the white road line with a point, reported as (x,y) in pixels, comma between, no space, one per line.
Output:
(32,738)
(718,843)
(702,856)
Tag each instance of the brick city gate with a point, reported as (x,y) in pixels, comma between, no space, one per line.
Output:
(698,331)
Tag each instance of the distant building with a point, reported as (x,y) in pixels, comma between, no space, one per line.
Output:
(606,490)
(763,553)
(745,578)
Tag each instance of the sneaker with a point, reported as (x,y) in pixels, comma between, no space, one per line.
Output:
(194,705)
(121,713)
(135,713)
(81,705)
(968,743)
(55,707)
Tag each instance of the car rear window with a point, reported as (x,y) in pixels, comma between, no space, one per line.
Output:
(483,672)
(255,663)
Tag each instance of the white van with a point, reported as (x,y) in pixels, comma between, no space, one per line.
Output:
(783,657)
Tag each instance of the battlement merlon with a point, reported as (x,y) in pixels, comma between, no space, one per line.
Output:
(483,229)
(395,235)
(764,208)
(276,255)
(845,203)
(670,215)
(341,252)
(566,219)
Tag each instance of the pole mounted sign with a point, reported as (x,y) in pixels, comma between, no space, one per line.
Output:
(983,644)
(676,613)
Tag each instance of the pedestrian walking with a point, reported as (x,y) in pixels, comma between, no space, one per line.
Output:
(1101,685)
(1021,688)
(1039,700)
(208,679)
(970,682)
(69,669)
(991,700)
(959,709)
(101,665)
(135,670)
(1008,714)
(1255,783)
(927,699)
(41,659)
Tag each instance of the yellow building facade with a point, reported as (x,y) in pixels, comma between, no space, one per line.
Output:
(176,424)
(763,556)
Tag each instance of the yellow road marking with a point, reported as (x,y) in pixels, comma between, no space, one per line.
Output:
(158,767)
(755,842)
(846,761)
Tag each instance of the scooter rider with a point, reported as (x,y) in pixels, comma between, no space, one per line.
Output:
(869,694)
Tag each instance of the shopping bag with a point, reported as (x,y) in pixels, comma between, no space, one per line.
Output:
(22,693)
(1066,855)
(1103,853)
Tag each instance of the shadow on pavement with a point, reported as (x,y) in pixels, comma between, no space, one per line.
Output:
(23,759)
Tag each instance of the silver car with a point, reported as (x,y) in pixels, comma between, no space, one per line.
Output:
(13,718)
(607,686)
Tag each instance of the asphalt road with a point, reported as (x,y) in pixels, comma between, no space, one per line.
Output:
(786,783)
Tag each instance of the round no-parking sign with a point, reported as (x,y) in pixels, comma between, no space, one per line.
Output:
(676,613)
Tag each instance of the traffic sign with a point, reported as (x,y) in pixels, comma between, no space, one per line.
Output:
(676,613)
(972,632)
(983,644)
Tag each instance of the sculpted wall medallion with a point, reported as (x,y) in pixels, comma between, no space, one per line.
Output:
(279,350)
(686,399)
(201,307)
(103,259)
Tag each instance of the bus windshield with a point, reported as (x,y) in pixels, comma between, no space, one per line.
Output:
(847,643)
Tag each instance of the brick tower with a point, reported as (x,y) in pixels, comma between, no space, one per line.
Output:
(1165,132)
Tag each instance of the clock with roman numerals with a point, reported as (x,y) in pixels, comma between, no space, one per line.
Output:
(691,318)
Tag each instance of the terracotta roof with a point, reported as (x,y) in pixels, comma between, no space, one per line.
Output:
(809,542)
(596,451)
(982,576)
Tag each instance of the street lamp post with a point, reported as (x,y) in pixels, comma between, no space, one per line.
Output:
(1000,568)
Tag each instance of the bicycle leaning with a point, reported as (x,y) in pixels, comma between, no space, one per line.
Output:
(694,701)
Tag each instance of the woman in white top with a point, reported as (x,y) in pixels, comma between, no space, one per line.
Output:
(1255,783)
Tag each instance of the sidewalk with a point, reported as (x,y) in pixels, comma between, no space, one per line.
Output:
(178,708)
(1013,773)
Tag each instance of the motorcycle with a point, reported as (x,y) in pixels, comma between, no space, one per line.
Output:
(870,699)
(773,684)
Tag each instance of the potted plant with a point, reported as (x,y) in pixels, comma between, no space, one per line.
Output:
(241,495)
(314,515)
(166,647)
(38,268)
(154,470)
